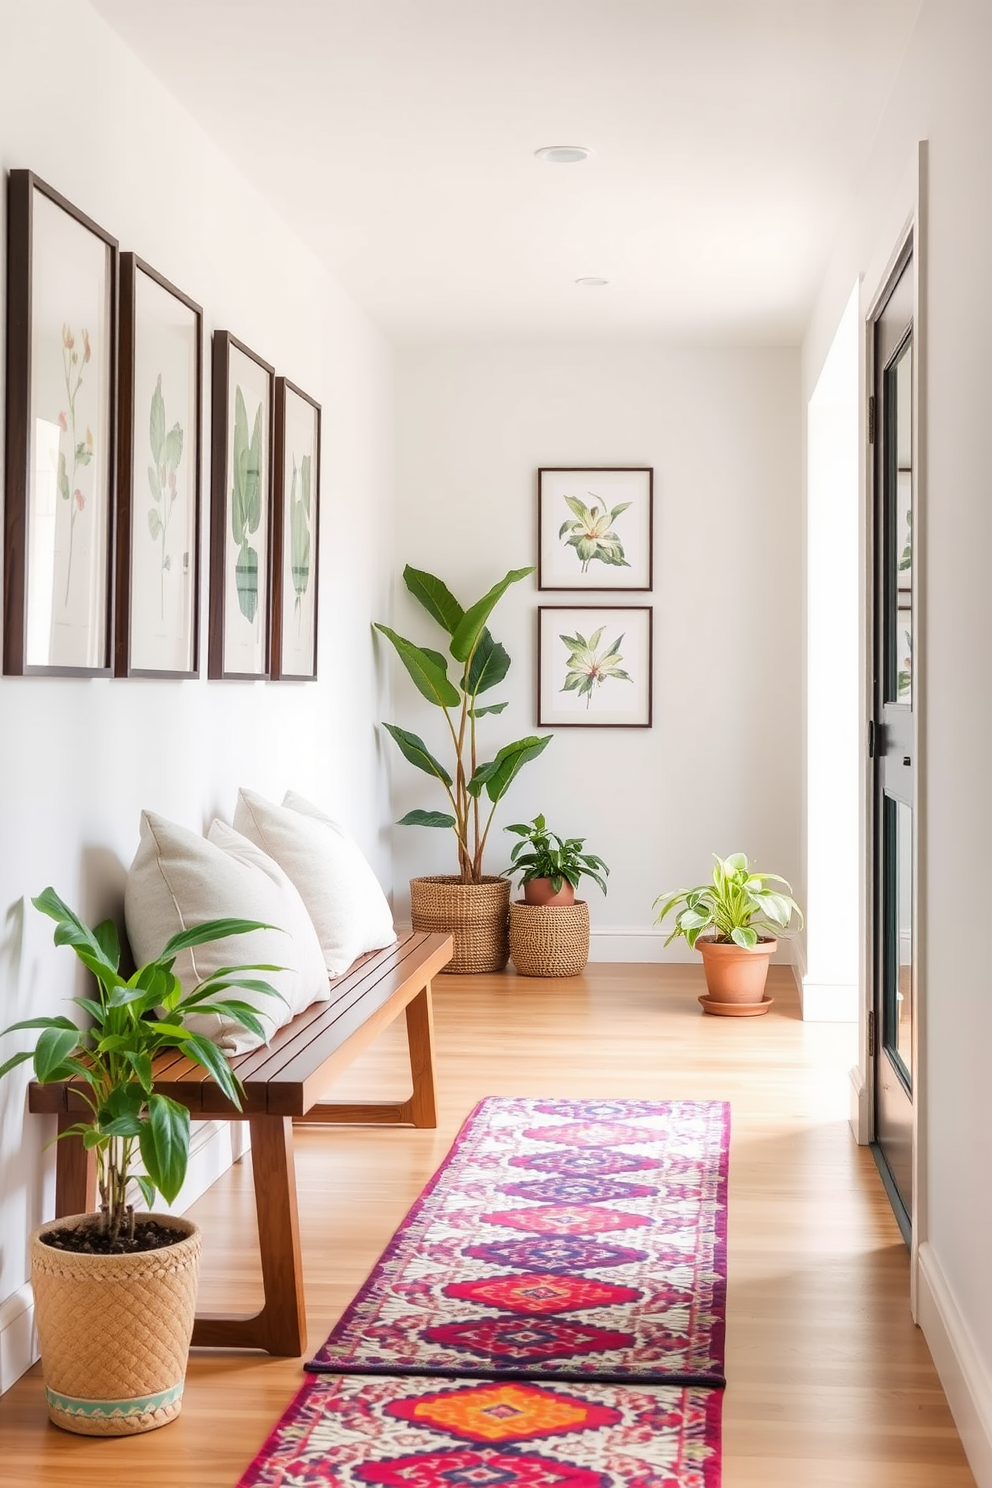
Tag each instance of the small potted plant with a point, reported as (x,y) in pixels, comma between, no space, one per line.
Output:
(94,1275)
(550,866)
(471,905)
(734,921)
(549,927)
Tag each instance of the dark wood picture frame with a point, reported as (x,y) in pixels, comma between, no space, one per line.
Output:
(600,710)
(559,565)
(288,662)
(133,650)
(30,629)
(230,623)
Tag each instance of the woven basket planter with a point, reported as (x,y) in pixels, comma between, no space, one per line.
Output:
(114,1330)
(549,940)
(474,914)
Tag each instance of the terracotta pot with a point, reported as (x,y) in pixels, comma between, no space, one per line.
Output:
(475,915)
(735,974)
(114,1330)
(541,891)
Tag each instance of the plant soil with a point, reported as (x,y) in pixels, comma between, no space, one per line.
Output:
(90,1239)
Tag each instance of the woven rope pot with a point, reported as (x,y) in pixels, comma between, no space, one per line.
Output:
(114,1330)
(549,940)
(474,914)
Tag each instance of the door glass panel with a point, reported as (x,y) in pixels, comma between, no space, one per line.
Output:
(898,1000)
(898,497)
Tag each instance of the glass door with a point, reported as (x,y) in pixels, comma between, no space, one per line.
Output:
(893,730)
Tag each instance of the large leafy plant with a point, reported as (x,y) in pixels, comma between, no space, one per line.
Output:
(481,663)
(736,906)
(543,854)
(131,1125)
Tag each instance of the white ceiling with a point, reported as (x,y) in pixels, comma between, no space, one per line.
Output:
(398,138)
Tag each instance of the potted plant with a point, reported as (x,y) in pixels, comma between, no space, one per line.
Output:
(550,866)
(97,1276)
(470,904)
(734,921)
(549,927)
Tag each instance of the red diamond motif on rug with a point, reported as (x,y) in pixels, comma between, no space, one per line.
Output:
(591,1134)
(539,1295)
(557,1219)
(513,1412)
(518,1342)
(485,1468)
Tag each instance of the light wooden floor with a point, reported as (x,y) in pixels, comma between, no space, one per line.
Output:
(831,1386)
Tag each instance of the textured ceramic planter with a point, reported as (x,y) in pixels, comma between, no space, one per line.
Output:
(114,1330)
(735,975)
(474,915)
(542,891)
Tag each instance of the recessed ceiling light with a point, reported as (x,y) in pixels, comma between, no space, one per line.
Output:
(592,282)
(562,154)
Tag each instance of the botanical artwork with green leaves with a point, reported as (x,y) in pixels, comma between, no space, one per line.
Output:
(300,540)
(75,360)
(246,503)
(592,663)
(167,452)
(595,665)
(595,528)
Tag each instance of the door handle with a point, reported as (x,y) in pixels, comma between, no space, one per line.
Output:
(906,760)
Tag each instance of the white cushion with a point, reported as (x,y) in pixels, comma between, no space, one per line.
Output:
(346,904)
(179,879)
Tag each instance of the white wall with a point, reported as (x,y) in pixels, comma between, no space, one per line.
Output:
(720,769)
(943,96)
(79,759)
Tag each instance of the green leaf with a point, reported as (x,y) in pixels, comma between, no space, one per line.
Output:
(14,1061)
(430,679)
(154,484)
(63,478)
(164,1144)
(53,1047)
(207,1054)
(618,509)
(147,1189)
(490,664)
(210,930)
(239,468)
(490,708)
(156,422)
(426,819)
(744,936)
(174,446)
(579,508)
(253,481)
(435,596)
(246,581)
(469,629)
(509,762)
(413,748)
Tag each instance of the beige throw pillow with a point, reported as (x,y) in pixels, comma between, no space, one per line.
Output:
(179,879)
(343,897)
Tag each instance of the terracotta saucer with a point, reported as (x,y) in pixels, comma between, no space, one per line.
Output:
(737,1009)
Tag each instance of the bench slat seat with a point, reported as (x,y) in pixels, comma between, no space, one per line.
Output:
(283,1082)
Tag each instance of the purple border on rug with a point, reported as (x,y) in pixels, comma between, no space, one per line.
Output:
(433,1307)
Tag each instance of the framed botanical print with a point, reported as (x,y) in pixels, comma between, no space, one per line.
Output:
(594,666)
(240,510)
(61,387)
(295,531)
(595,528)
(158,494)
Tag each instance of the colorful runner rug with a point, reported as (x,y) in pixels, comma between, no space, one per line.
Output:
(429,1433)
(560,1239)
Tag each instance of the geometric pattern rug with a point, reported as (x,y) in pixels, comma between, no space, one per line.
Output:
(428,1433)
(560,1239)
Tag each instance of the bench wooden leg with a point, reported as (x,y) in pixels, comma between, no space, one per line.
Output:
(280,1327)
(420,1109)
(75,1173)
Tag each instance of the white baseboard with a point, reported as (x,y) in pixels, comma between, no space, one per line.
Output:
(962,1371)
(214,1146)
(18,1346)
(860,1112)
(647,943)
(829,1002)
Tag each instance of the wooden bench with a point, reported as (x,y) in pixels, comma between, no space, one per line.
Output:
(283,1082)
